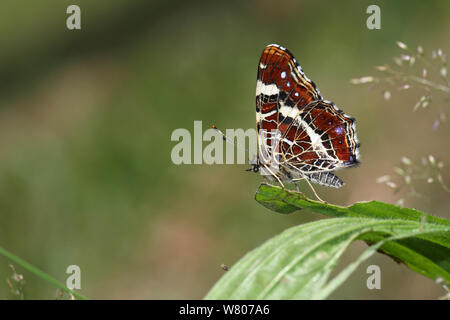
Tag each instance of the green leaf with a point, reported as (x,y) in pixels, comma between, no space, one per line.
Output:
(297,263)
(273,201)
(428,254)
(372,209)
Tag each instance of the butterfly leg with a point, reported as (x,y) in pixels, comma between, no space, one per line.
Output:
(275,176)
(312,188)
(315,193)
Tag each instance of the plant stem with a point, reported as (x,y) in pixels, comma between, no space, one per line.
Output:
(420,80)
(430,83)
(40,273)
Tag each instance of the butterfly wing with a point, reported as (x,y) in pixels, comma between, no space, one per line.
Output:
(320,139)
(315,137)
(281,84)
(281,87)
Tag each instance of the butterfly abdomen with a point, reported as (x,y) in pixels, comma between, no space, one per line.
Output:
(325,179)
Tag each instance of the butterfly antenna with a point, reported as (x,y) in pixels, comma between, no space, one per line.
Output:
(255,166)
(225,138)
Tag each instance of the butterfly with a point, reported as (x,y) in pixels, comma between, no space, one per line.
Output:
(300,135)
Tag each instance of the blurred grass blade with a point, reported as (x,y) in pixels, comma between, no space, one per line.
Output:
(44,276)
(426,253)
(297,263)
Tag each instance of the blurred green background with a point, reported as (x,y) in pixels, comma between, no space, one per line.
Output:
(86,117)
